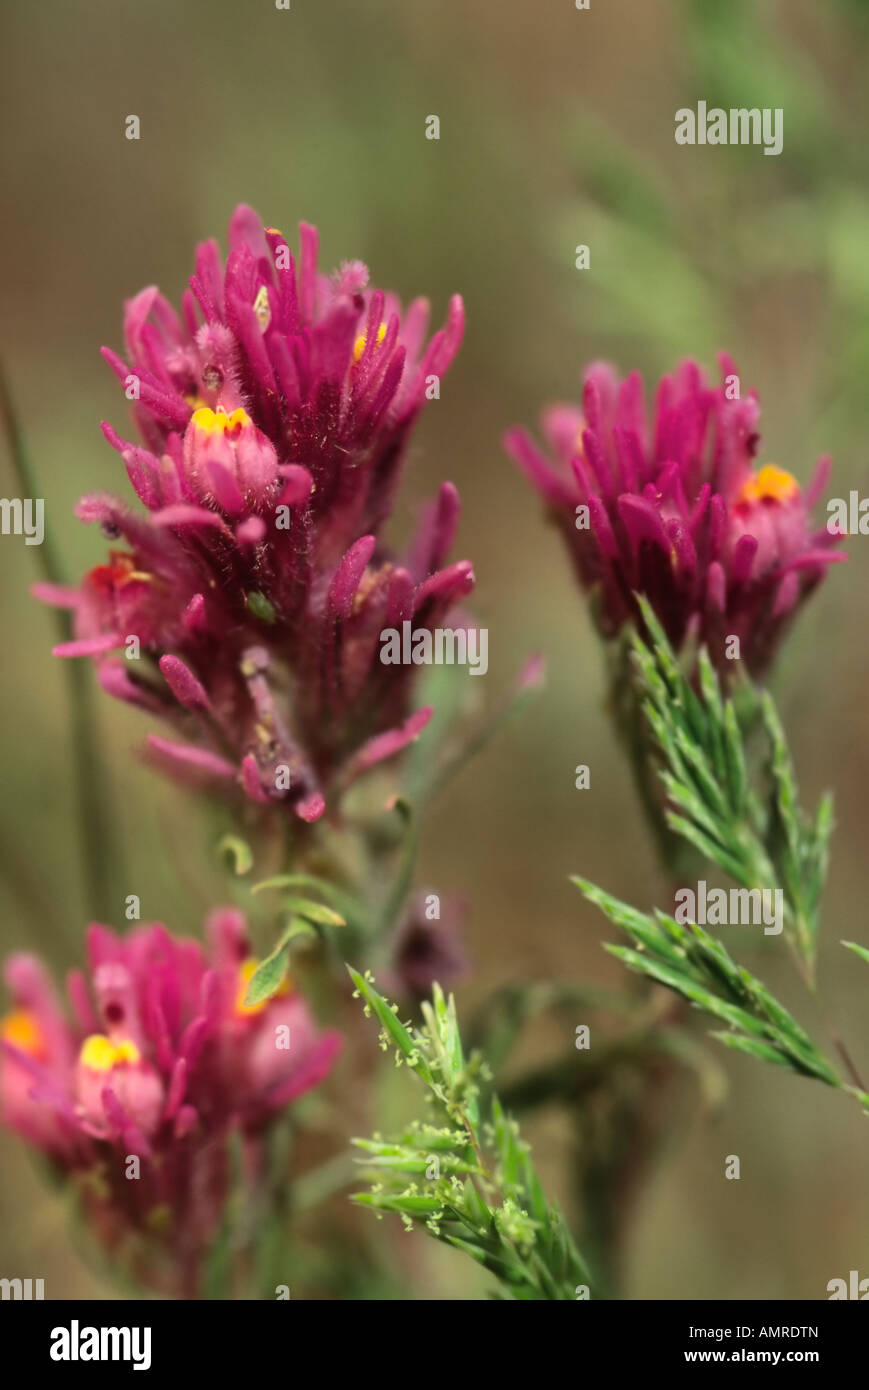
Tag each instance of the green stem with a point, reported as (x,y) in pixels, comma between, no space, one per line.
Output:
(93,815)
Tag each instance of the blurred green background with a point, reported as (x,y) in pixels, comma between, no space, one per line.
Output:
(556,129)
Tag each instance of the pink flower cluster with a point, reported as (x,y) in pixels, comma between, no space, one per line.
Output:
(672,507)
(245,605)
(163,1060)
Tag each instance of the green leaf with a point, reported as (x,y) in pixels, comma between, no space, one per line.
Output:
(396,1030)
(239,851)
(344,903)
(298,927)
(406,1205)
(268,976)
(332,894)
(487,1216)
(411,1163)
(696,993)
(270,972)
(753,1047)
(315,912)
(861,951)
(761,840)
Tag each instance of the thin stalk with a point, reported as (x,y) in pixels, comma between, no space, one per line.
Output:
(94,818)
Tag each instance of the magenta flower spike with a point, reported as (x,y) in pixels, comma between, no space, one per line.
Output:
(674,508)
(161,1061)
(244,606)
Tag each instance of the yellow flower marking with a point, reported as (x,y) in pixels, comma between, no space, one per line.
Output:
(770,484)
(218,422)
(359,345)
(100,1053)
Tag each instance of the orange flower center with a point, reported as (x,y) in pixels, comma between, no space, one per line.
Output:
(770,484)
(120,569)
(21,1029)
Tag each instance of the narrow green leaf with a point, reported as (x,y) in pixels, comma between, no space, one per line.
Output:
(408,1206)
(267,977)
(298,926)
(315,912)
(341,900)
(394,1028)
(239,851)
(706,845)
(766,1052)
(861,951)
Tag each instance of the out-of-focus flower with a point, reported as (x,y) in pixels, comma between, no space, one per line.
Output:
(275,410)
(163,1061)
(676,510)
(426,946)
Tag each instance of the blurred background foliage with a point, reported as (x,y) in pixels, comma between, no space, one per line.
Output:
(556,129)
